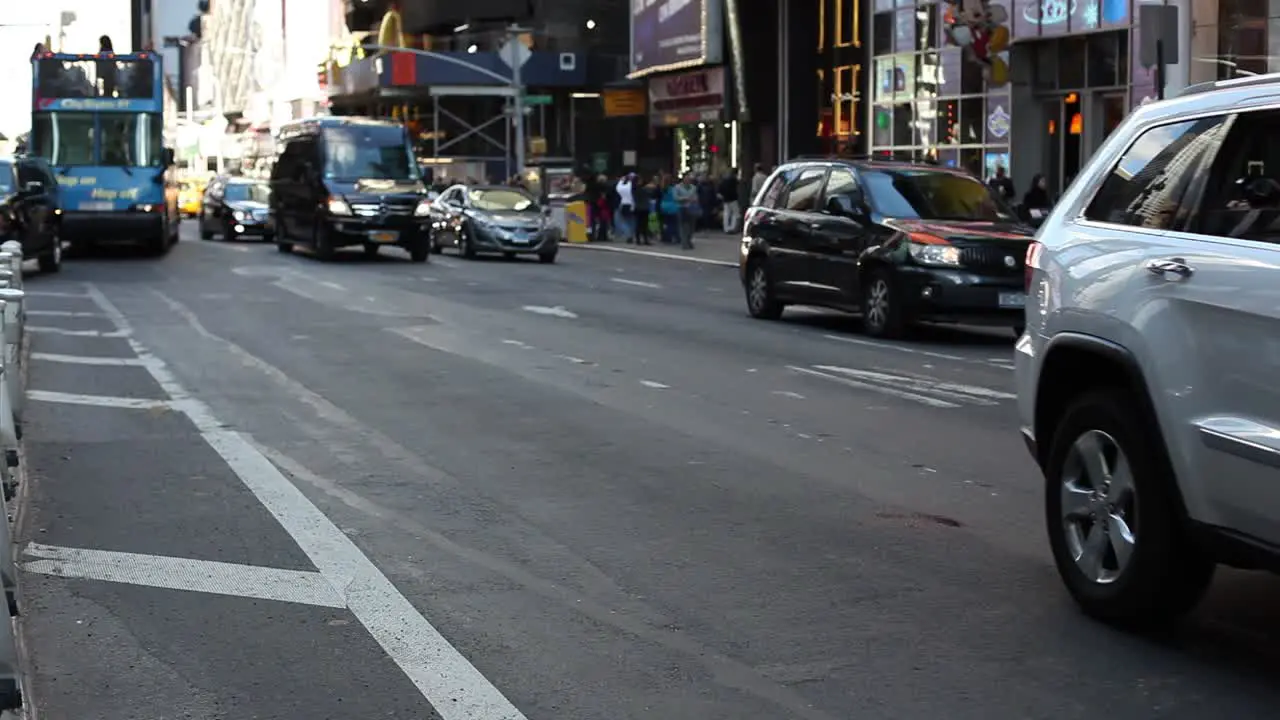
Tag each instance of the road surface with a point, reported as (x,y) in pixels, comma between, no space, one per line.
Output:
(262,486)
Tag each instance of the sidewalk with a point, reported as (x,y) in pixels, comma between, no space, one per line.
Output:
(710,247)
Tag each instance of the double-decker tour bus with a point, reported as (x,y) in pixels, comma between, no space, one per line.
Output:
(98,120)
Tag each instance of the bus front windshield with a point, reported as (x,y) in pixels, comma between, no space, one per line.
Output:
(69,139)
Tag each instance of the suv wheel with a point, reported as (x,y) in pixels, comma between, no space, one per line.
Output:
(881,312)
(1114,520)
(761,301)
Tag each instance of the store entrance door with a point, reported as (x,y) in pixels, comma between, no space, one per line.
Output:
(1064,146)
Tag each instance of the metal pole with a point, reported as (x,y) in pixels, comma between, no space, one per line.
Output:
(1159,69)
(573,129)
(517,87)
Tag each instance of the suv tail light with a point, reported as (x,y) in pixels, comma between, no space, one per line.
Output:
(1033,263)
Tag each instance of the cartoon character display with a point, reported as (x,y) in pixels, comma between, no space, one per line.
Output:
(980,28)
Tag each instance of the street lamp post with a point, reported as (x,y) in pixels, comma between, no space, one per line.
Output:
(515,81)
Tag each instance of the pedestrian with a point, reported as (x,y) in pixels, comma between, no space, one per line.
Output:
(669,212)
(730,208)
(1037,203)
(106,67)
(643,193)
(625,217)
(685,194)
(757,182)
(1001,183)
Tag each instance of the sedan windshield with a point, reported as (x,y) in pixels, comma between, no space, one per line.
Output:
(252,192)
(930,195)
(500,200)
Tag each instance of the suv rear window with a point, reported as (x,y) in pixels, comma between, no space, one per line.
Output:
(1145,188)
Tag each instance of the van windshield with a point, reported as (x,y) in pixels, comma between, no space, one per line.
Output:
(368,153)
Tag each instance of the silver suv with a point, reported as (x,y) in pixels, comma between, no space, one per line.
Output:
(1149,373)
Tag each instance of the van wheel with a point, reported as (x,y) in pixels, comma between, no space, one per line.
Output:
(881,309)
(370,250)
(284,247)
(419,253)
(1115,522)
(761,301)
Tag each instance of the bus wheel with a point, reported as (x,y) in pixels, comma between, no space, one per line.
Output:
(158,245)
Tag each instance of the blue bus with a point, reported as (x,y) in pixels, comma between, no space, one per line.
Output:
(99,121)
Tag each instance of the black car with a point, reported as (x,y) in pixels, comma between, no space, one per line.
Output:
(30,211)
(346,181)
(897,242)
(492,219)
(236,208)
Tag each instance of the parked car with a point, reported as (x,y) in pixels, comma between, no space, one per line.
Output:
(237,208)
(1146,377)
(30,210)
(898,242)
(348,181)
(492,219)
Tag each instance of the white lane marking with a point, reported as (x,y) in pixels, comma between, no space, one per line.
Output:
(171,573)
(899,348)
(445,263)
(332,285)
(789,394)
(518,343)
(654,384)
(636,283)
(453,686)
(51,294)
(971,393)
(86,359)
(654,254)
(107,401)
(78,333)
(893,392)
(575,360)
(555,311)
(63,313)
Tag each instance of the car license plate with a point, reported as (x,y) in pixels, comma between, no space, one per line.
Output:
(384,236)
(97,205)
(1013,299)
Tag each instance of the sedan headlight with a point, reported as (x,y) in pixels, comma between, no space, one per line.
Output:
(338,206)
(930,254)
(423,209)
(240,215)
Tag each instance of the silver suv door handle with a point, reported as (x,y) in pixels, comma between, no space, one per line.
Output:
(1177,266)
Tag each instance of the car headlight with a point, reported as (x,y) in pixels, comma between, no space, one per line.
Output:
(929,254)
(423,209)
(338,206)
(239,215)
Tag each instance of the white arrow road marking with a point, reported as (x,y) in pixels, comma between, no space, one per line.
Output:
(555,311)
(850,382)
(952,391)
(636,283)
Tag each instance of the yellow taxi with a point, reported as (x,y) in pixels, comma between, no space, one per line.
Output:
(190,196)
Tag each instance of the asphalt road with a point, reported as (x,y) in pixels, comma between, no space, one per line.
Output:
(596,489)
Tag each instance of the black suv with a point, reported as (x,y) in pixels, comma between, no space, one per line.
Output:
(30,211)
(898,242)
(347,181)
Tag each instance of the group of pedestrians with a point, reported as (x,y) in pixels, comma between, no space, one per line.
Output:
(665,207)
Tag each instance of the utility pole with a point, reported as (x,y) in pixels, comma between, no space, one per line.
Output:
(517,99)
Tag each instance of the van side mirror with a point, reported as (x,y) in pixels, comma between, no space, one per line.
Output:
(33,187)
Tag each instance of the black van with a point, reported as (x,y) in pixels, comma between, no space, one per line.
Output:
(345,182)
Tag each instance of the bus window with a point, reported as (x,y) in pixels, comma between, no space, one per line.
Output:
(64,139)
(132,140)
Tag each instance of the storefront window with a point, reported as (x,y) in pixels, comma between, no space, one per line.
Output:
(930,99)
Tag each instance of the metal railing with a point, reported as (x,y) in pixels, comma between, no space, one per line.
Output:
(12,327)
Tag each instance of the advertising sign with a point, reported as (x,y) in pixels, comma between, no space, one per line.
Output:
(674,34)
(687,98)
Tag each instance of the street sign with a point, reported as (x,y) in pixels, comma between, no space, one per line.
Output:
(514,52)
(538,99)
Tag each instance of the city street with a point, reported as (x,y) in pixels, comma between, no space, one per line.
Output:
(259,486)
